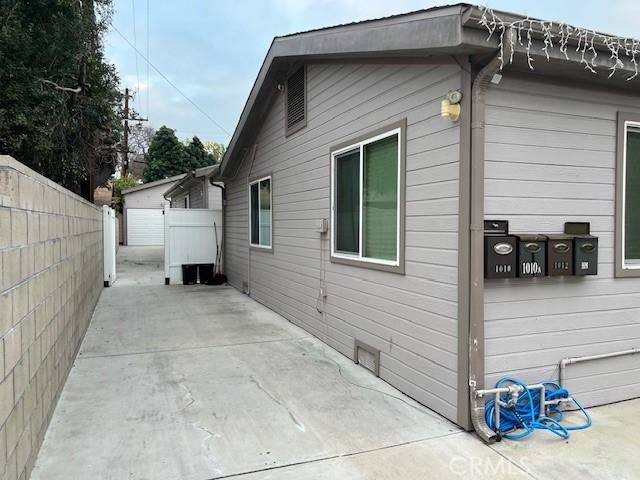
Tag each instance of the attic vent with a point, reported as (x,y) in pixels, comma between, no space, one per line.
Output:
(296,101)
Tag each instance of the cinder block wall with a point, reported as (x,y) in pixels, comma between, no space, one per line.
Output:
(51,266)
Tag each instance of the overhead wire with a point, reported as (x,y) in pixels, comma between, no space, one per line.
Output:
(135,43)
(157,70)
(148,56)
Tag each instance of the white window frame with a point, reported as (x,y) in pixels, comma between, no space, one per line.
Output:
(259,245)
(360,146)
(626,264)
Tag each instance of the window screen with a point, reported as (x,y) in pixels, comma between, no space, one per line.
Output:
(365,204)
(296,102)
(632,196)
(260,212)
(380,202)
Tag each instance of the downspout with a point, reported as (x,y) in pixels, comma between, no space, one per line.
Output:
(223,194)
(476,284)
(253,157)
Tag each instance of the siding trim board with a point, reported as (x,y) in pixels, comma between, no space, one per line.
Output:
(464,246)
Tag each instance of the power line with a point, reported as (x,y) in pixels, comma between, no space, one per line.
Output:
(148,56)
(171,83)
(197,132)
(135,42)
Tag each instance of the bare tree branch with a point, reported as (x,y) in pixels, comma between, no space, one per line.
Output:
(64,89)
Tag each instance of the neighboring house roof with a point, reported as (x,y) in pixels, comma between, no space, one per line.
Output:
(184,184)
(453,30)
(144,186)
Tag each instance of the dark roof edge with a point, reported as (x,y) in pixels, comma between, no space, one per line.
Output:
(437,31)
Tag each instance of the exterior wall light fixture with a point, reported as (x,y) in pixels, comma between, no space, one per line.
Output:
(450,107)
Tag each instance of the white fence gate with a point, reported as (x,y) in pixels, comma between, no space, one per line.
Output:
(110,243)
(190,237)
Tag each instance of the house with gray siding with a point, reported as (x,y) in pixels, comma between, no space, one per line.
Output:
(363,167)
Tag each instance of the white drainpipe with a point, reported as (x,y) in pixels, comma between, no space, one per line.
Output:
(571,360)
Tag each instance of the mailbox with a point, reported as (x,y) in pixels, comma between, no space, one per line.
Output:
(532,255)
(500,250)
(585,248)
(585,255)
(559,255)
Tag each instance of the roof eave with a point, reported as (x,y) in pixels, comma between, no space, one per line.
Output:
(432,32)
(452,30)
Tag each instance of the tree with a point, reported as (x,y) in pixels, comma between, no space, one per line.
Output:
(140,138)
(216,149)
(197,155)
(59,101)
(120,184)
(166,156)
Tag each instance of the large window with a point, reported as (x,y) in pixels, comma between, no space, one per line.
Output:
(260,212)
(366,200)
(628,196)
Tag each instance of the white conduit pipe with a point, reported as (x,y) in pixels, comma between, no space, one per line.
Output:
(571,360)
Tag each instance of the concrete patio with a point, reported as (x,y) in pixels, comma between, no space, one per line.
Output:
(197,382)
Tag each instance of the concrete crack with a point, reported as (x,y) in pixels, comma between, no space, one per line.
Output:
(339,367)
(205,430)
(189,397)
(298,424)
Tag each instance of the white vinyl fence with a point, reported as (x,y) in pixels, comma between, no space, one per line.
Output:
(110,244)
(190,237)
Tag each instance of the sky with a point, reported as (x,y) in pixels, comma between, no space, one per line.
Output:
(212,50)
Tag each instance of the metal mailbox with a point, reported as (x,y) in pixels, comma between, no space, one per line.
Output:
(559,255)
(500,250)
(585,255)
(532,255)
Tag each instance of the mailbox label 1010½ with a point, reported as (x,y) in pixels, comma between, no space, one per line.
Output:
(531,268)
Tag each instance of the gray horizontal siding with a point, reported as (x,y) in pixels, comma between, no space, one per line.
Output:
(550,158)
(411,318)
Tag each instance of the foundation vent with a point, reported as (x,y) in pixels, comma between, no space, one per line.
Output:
(367,356)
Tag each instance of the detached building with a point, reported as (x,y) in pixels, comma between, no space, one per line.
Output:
(196,190)
(142,213)
(368,157)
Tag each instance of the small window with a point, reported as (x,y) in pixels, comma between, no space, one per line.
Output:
(260,213)
(296,105)
(186,201)
(628,196)
(366,200)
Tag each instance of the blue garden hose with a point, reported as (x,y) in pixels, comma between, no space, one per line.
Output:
(523,418)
